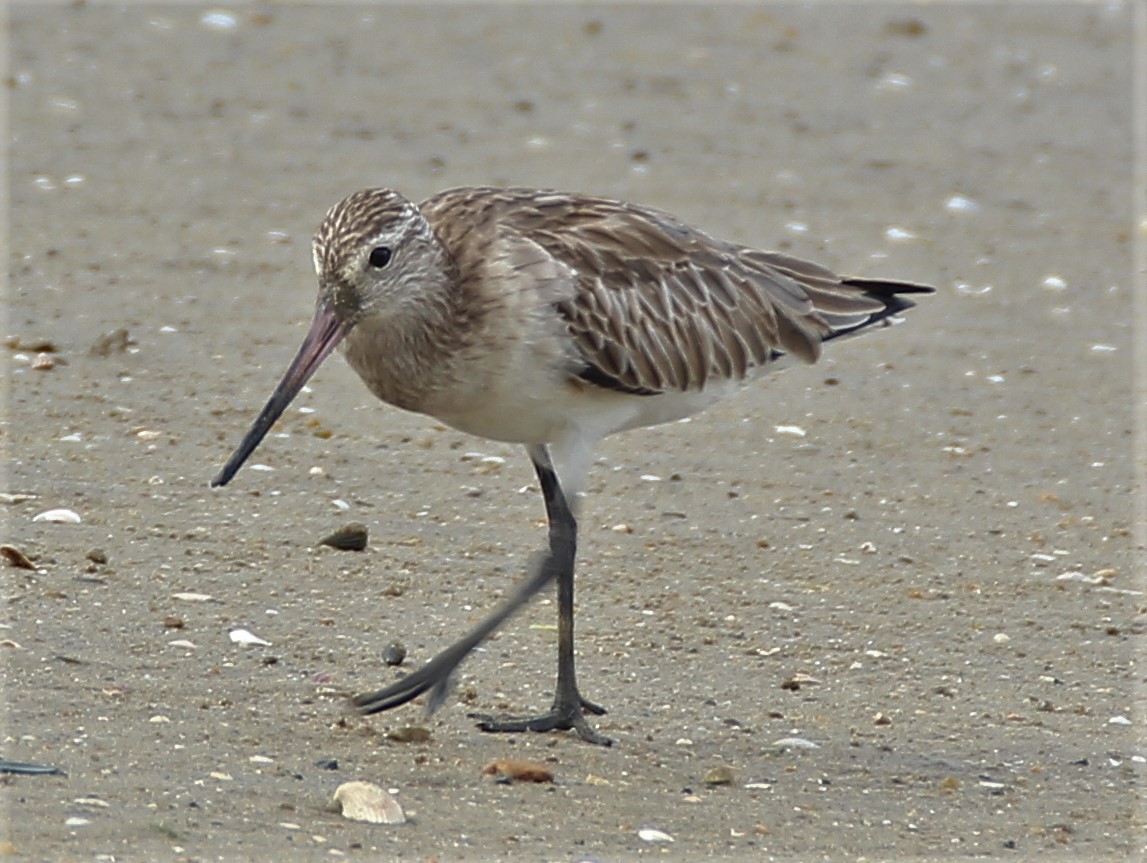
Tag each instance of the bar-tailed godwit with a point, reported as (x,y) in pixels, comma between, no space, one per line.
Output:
(553,320)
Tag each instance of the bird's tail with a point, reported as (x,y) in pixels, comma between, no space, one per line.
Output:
(891,296)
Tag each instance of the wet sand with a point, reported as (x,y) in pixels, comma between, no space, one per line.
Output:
(935,583)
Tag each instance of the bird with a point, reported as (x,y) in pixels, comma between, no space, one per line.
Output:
(553,319)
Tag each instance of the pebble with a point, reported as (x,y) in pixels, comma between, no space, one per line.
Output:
(394,653)
(409,734)
(34,344)
(351,537)
(518,770)
(648,834)
(365,801)
(721,775)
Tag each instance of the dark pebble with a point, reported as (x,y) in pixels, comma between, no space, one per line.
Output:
(327,764)
(394,653)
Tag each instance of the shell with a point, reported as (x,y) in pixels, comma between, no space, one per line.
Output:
(61,516)
(351,537)
(365,801)
(245,636)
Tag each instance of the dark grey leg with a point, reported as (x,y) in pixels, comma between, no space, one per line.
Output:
(567,711)
(558,564)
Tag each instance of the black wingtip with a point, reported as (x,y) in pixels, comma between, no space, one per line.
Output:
(892,294)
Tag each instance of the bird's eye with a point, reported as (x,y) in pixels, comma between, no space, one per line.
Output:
(379,256)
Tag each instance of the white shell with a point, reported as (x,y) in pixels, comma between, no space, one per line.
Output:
(365,801)
(244,636)
(62,516)
(795,743)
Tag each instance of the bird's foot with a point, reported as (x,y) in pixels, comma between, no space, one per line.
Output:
(561,717)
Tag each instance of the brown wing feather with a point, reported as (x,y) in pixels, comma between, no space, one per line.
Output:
(660,306)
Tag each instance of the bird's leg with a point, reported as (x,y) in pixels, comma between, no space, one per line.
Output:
(569,707)
(435,675)
(557,565)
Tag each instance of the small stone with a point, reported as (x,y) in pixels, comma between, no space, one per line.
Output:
(409,734)
(394,653)
(518,770)
(722,775)
(351,537)
(799,679)
(648,834)
(171,621)
(97,555)
(327,764)
(34,344)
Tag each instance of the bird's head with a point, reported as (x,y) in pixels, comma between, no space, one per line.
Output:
(374,254)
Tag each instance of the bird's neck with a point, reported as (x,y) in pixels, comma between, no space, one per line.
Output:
(402,355)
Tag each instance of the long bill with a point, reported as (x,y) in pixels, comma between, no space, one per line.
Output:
(327,330)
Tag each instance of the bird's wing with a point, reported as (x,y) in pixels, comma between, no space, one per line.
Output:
(660,306)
